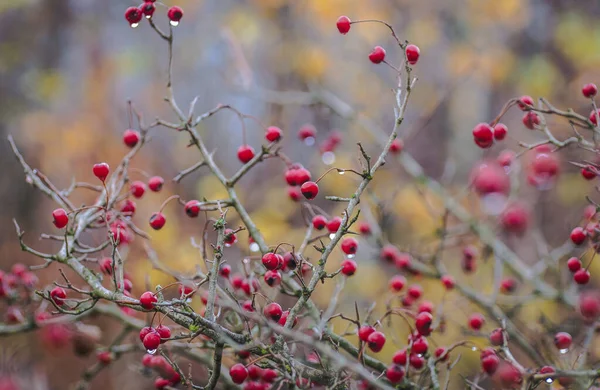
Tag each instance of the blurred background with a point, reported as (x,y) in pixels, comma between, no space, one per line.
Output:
(68,67)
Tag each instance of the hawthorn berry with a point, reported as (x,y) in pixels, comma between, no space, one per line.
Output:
(157,220)
(442,354)
(364,228)
(423,323)
(273,134)
(334,224)
(525,102)
(151,341)
(483,135)
(476,321)
(415,291)
(289,261)
(490,363)
(364,332)
(377,55)
(131,138)
(245,153)
(310,189)
(394,373)
(578,235)
(402,261)
(319,222)
(530,120)
(161,383)
(185,289)
(593,117)
(133,15)
(343,24)
(101,171)
(416,361)
(272,278)
(307,133)
(508,285)
(420,345)
(225,270)
(273,311)
(396,146)
(506,158)
(104,357)
(137,188)
(230,237)
(128,207)
(588,173)
(106,265)
(412,54)
(348,267)
(574,264)
(397,283)
(425,306)
(490,177)
(589,90)
(500,131)
(147,300)
(581,276)
(238,373)
(400,357)
(254,372)
(174,14)
(247,306)
(284,317)
(192,208)
(269,375)
(58,295)
(515,218)
(155,183)
(272,261)
(60,219)
(349,245)
(148,9)
(294,193)
(376,341)
(497,337)
(448,282)
(164,332)
(562,340)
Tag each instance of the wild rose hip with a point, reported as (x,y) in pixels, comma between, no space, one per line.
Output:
(157,220)
(245,153)
(273,311)
(589,90)
(155,183)
(348,267)
(147,300)
(58,295)
(476,321)
(273,134)
(578,236)
(349,245)
(412,54)
(562,340)
(131,138)
(60,219)
(192,208)
(377,55)
(238,373)
(175,14)
(310,189)
(343,24)
(376,341)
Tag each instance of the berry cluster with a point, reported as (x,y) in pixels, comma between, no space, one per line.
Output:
(134,15)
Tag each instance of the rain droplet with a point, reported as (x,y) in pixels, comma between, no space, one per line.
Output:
(328,158)
(148,16)
(494,203)
(563,351)
(331,236)
(227,245)
(254,247)
(351,256)
(549,380)
(174,23)
(473,349)
(134,25)
(341,171)
(151,351)
(309,141)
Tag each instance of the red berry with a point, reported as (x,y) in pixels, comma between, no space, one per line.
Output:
(515,218)
(17,269)
(269,375)
(164,332)
(175,14)
(412,54)
(148,9)
(547,370)
(284,317)
(60,218)
(476,321)
(525,102)
(254,372)
(272,261)
(415,291)
(58,295)
(131,138)
(530,120)
(272,278)
(394,373)
(273,311)
(104,357)
(589,90)
(589,305)
(230,237)
(562,340)
(594,116)
(416,361)
(448,282)
(588,173)
(348,267)
(420,345)
(490,177)
(289,261)
(397,283)
(349,245)
(334,224)
(161,383)
(319,222)
(375,341)
(442,354)
(506,158)
(128,207)
(106,265)
(396,146)
(425,306)
(294,193)
(238,373)
(310,189)
(147,300)
(273,134)
(192,208)
(574,264)
(389,253)
(581,276)
(483,134)
(490,364)
(364,332)
(157,220)
(578,235)
(137,188)
(423,323)
(225,270)
(343,24)
(307,131)
(151,341)
(101,171)
(402,261)
(133,15)
(364,228)
(245,153)
(500,131)
(156,183)
(377,55)
(508,285)
(400,357)
(497,337)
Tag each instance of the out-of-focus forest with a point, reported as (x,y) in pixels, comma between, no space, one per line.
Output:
(68,68)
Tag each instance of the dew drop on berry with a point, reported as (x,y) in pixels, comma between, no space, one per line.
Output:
(254,247)
(493,203)
(309,141)
(148,16)
(151,351)
(473,349)
(174,23)
(328,158)
(134,25)
(341,171)
(350,256)
(563,351)
(549,380)
(331,236)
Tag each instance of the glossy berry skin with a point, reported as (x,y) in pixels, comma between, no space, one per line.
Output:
(225,270)
(394,373)
(307,131)
(128,207)
(272,278)
(497,337)
(334,224)
(594,116)
(175,14)
(448,282)
(157,220)
(377,55)
(490,177)
(483,135)
(490,364)
(588,173)
(423,323)
(400,357)
(574,264)
(349,245)
(348,267)
(412,54)
(500,131)
(310,189)
(192,208)
(515,218)
(131,138)
(525,102)
(589,90)
(272,261)
(147,300)
(364,332)
(164,332)
(420,345)
(245,153)
(230,237)
(144,331)
(60,219)
(562,340)
(133,15)
(364,228)
(530,120)
(284,317)
(58,295)
(581,276)
(155,183)
(578,236)
(238,373)
(376,341)
(343,24)
(415,291)
(273,311)
(106,265)
(396,146)
(151,341)
(442,354)
(273,134)
(397,283)
(476,321)
(137,188)
(101,171)
(416,361)
(319,222)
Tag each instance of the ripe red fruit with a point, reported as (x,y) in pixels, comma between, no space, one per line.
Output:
(186,289)
(574,264)
(225,270)
(515,218)
(412,54)
(106,265)
(348,267)
(547,370)
(284,317)
(273,134)
(476,321)
(101,171)
(343,24)
(490,364)
(416,361)
(58,295)
(175,14)
(133,15)
(394,373)
(334,224)
(500,131)
(376,341)
(562,340)
(420,345)
(148,9)
(289,261)
(415,291)
(423,323)
(164,332)
(397,283)
(128,207)
(192,208)
(147,300)
(578,235)
(245,153)
(349,245)
(589,305)
(506,158)
(60,219)
(389,253)
(272,278)
(161,383)
(490,177)
(581,276)
(508,285)
(151,341)
(319,222)
(525,102)
(131,138)
(425,306)
(377,55)
(497,337)
(364,228)
(544,168)
(255,372)
(402,261)
(310,189)
(144,331)
(294,193)
(364,332)
(137,188)
(399,357)
(588,173)
(157,220)
(396,146)
(155,183)
(509,375)
(230,237)
(273,311)
(238,373)
(448,282)
(594,116)
(104,357)
(483,134)
(17,269)
(442,354)
(307,131)
(589,90)
(269,375)
(272,261)
(530,120)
